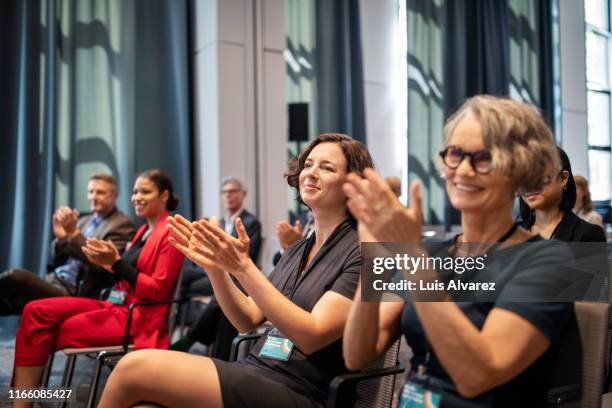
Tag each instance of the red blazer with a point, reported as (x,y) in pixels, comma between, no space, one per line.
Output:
(158,265)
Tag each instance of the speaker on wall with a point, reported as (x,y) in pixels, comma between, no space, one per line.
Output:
(298,122)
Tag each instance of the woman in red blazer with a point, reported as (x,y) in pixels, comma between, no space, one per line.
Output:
(147,271)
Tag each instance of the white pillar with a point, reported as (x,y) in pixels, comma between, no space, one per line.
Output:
(574,137)
(380,48)
(240,105)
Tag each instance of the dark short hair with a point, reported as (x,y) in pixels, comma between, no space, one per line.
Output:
(356,154)
(163,182)
(568,197)
(109,178)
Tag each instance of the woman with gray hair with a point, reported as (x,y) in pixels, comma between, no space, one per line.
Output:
(469,353)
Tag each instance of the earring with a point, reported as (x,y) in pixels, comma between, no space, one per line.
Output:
(565,187)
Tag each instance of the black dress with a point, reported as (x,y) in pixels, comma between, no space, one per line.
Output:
(303,380)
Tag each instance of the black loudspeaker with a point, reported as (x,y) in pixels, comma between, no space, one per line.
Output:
(298,122)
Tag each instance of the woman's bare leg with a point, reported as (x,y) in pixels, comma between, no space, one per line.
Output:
(27,377)
(167,378)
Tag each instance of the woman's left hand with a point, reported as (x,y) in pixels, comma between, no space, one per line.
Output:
(228,253)
(101,253)
(381,216)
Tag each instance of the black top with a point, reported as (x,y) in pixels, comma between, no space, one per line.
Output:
(572,228)
(335,267)
(528,389)
(125,268)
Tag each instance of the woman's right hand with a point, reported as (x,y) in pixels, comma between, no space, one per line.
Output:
(183,239)
(221,249)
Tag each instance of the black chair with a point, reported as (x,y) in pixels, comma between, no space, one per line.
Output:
(369,388)
(593,322)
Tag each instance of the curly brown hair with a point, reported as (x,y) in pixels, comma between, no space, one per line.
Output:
(356,154)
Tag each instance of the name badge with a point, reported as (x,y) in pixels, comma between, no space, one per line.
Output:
(117,296)
(276,346)
(415,395)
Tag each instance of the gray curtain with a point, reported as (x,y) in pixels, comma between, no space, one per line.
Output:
(476,58)
(339,68)
(102,85)
(531,54)
(27,124)
(425,22)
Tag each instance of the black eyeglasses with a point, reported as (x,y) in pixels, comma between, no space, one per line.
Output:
(480,161)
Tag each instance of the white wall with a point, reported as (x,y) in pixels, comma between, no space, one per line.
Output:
(240,104)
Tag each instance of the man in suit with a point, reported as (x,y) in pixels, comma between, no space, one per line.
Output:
(233,194)
(70,273)
(212,323)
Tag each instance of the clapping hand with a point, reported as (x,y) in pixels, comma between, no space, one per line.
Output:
(288,234)
(101,253)
(182,238)
(223,250)
(381,216)
(65,222)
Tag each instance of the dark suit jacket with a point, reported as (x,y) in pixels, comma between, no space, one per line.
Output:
(574,229)
(253,229)
(116,227)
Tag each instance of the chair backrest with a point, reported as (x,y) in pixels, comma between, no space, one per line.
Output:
(593,322)
(378,392)
(174,307)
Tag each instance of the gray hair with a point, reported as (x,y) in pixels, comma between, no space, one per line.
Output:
(235,180)
(521,144)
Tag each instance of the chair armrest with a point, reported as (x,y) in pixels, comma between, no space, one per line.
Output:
(341,380)
(103,355)
(556,397)
(239,340)
(128,326)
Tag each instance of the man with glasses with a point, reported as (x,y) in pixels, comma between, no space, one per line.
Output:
(233,194)
(70,273)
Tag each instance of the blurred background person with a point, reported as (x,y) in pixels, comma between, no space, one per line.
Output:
(395,184)
(584,205)
(548,212)
(69,265)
